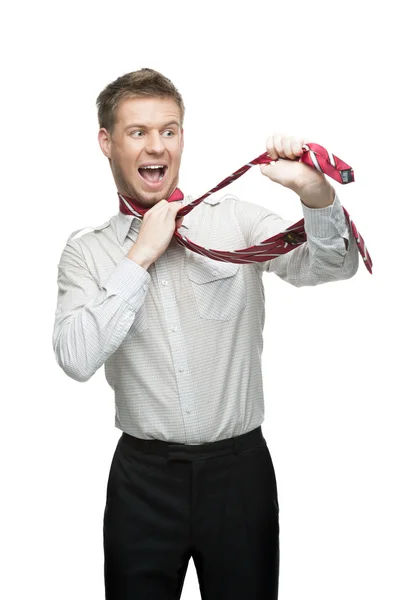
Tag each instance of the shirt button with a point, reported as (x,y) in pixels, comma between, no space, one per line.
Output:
(188,410)
(215,272)
(164,282)
(145,287)
(181,369)
(174,328)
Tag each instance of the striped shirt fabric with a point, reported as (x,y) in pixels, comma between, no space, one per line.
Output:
(181,342)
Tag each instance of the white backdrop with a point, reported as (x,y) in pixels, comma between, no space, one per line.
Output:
(323,70)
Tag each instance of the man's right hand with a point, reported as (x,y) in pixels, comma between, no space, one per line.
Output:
(156,231)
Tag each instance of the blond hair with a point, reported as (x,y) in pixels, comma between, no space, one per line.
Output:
(141,83)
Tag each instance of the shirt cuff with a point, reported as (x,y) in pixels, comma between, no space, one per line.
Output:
(326,222)
(129,280)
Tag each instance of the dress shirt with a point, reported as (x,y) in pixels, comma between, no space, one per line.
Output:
(181,342)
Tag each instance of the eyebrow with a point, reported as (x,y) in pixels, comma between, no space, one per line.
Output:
(144,126)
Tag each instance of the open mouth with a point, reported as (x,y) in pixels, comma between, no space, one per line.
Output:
(153,174)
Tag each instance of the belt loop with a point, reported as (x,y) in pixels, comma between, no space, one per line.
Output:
(235,444)
(146,446)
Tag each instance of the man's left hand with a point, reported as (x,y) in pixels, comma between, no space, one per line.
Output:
(287,171)
(311,185)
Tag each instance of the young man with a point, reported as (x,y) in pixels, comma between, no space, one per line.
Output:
(180,336)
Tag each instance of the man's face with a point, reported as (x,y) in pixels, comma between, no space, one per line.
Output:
(147,133)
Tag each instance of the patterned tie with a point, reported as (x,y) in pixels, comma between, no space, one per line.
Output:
(315,156)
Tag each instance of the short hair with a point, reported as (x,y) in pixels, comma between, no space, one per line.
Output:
(137,84)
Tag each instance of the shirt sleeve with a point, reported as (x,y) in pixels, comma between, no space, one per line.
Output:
(92,321)
(329,254)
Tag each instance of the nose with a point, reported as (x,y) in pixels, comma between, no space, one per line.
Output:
(154,143)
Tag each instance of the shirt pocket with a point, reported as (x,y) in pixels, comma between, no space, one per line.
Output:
(219,287)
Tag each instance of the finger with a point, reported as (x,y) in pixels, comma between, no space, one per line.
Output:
(293,147)
(297,144)
(173,209)
(278,145)
(161,204)
(176,206)
(270,148)
(287,147)
(158,207)
(179,222)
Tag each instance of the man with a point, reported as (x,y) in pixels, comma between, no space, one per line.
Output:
(180,337)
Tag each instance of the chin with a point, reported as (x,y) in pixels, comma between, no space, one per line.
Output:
(149,199)
(155,196)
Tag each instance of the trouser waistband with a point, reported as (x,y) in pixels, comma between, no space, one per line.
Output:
(221,447)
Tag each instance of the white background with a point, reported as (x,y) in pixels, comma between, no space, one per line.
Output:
(323,70)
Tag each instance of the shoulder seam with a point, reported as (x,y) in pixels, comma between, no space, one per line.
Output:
(74,233)
(84,230)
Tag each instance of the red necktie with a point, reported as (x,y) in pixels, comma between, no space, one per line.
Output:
(315,156)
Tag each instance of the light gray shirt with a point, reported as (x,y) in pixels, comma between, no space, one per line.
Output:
(181,342)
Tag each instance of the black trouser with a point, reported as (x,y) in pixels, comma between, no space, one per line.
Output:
(215,502)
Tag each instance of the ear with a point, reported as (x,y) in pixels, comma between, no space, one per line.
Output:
(104,139)
(182,139)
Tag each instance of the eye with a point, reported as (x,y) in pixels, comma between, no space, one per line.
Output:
(133,133)
(169,131)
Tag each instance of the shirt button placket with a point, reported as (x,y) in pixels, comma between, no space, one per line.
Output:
(179,352)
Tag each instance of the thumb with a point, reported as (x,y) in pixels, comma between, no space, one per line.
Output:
(266,168)
(178,206)
(179,221)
